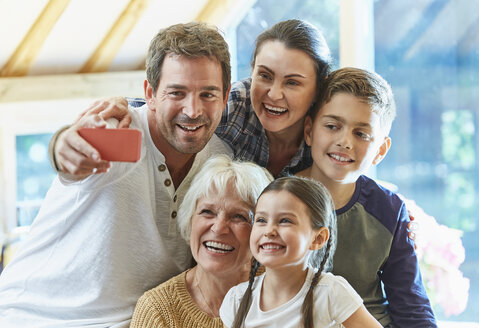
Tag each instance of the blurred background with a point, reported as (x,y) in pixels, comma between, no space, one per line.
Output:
(57,56)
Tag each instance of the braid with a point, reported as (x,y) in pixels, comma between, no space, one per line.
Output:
(307,308)
(246,300)
(327,253)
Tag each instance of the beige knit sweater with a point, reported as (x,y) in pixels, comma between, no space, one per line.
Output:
(170,305)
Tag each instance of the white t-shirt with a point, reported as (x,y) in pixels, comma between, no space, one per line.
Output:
(98,244)
(334,301)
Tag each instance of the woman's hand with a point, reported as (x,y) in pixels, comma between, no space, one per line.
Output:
(115,107)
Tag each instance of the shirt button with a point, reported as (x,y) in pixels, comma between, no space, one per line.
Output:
(167,182)
(175,198)
(162,167)
(173,214)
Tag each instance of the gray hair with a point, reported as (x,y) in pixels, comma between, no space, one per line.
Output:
(216,176)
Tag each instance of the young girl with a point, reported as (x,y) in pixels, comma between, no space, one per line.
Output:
(294,237)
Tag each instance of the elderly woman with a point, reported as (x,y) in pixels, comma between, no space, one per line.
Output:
(215,217)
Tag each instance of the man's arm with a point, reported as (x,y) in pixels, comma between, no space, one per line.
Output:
(409,305)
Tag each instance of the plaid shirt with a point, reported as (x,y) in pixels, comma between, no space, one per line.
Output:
(241,129)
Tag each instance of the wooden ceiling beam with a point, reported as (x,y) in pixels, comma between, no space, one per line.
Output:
(104,54)
(215,11)
(71,86)
(27,51)
(220,13)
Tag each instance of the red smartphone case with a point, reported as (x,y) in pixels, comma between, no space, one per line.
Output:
(115,145)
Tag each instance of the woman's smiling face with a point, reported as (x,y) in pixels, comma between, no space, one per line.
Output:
(283,86)
(220,230)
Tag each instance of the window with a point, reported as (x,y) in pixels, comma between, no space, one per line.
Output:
(265,13)
(34,175)
(25,131)
(428,51)
(27,121)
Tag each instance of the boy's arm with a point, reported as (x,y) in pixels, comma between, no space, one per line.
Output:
(409,305)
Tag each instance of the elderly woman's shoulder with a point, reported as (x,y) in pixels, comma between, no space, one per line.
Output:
(167,291)
(157,307)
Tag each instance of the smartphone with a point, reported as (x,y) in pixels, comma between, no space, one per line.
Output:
(114,145)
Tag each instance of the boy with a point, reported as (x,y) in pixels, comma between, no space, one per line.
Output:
(348,132)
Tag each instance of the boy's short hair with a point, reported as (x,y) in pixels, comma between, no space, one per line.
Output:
(192,40)
(368,86)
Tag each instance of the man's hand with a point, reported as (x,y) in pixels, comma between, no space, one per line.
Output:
(115,107)
(76,158)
